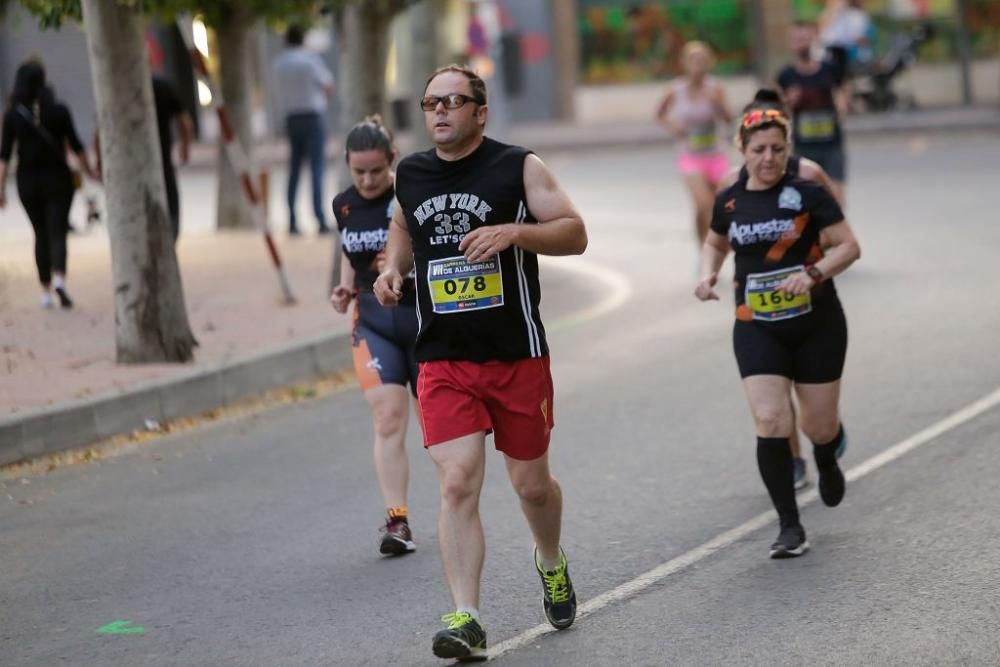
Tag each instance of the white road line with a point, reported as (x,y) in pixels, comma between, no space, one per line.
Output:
(619,289)
(673,566)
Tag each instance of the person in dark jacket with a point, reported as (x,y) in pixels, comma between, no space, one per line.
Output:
(42,129)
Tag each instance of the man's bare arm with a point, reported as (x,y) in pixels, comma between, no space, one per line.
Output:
(560,229)
(388,287)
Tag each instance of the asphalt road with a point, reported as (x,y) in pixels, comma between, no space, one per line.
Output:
(252,541)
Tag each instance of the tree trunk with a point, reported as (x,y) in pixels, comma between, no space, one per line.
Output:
(151,323)
(362,30)
(235,52)
(363,38)
(423,25)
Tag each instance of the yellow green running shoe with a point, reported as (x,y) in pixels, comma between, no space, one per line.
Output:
(464,639)
(559,598)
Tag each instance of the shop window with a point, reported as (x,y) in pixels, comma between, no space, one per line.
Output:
(628,41)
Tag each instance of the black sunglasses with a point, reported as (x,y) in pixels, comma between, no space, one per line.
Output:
(450,101)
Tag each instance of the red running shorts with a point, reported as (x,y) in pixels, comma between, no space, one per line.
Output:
(513,399)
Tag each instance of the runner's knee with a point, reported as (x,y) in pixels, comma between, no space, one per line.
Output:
(773,422)
(458,486)
(389,420)
(821,428)
(535,491)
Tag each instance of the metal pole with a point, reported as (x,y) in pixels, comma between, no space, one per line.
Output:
(964,52)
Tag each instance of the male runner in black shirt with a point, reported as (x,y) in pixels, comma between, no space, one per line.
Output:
(814,91)
(473,214)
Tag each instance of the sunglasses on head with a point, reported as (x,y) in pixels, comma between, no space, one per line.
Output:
(761,116)
(450,101)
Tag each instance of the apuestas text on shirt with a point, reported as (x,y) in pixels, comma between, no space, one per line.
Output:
(369,240)
(757,232)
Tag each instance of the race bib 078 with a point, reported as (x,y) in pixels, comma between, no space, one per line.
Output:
(457,286)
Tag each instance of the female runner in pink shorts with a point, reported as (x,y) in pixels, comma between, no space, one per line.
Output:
(691,110)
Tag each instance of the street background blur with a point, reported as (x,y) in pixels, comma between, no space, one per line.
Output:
(247,537)
(570,61)
(564,75)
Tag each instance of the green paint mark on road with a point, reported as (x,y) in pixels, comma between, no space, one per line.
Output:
(120,628)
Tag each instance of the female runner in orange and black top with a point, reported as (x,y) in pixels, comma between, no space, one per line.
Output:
(790,328)
(383,337)
(800,167)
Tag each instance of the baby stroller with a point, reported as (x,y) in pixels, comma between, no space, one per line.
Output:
(873,83)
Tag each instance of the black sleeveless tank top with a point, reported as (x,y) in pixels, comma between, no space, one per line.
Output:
(483,311)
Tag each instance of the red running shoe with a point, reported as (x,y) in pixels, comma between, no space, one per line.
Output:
(397,539)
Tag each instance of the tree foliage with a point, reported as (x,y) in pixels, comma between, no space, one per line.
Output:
(53,13)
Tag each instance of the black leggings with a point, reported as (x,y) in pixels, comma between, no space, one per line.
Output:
(46,197)
(173,197)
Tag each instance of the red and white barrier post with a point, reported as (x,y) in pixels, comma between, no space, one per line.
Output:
(238,158)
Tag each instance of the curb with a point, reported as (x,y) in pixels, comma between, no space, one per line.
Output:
(66,426)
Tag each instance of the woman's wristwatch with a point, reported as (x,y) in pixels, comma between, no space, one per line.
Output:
(814,273)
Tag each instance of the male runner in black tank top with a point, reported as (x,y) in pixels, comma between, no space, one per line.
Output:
(814,91)
(472,215)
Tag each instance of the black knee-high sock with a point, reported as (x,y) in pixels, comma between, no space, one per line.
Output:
(826,453)
(774,459)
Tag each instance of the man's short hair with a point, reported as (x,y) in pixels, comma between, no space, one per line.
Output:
(476,83)
(294,35)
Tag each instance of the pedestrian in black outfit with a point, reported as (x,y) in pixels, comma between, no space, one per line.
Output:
(42,128)
(170,110)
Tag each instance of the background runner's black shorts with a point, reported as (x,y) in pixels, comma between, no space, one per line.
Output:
(382,342)
(829,156)
(809,349)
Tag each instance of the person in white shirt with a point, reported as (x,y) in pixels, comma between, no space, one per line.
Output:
(304,84)
(846,25)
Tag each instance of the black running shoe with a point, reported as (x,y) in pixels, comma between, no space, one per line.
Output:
(558,596)
(396,538)
(791,542)
(464,639)
(64,299)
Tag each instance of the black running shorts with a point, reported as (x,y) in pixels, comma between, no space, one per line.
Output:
(831,157)
(809,349)
(383,343)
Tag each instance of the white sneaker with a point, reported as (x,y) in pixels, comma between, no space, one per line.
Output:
(46,301)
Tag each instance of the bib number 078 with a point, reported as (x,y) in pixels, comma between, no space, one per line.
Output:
(461,285)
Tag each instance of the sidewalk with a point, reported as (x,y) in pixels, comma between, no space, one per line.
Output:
(552,137)
(60,386)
